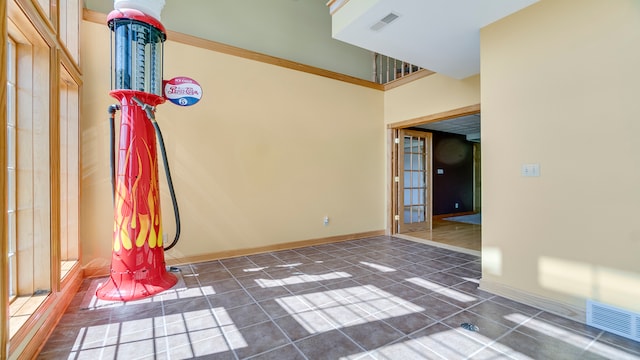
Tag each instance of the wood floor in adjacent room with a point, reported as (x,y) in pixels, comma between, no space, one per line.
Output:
(467,236)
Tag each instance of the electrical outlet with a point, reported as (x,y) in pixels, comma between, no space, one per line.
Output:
(325,220)
(456,205)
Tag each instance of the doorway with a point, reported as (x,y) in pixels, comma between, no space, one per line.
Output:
(423,204)
(414,181)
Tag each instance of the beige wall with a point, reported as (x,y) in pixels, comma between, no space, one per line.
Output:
(560,85)
(430,95)
(264,156)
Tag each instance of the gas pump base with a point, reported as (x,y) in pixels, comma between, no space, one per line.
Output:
(128,286)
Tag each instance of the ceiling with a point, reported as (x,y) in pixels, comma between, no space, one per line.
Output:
(468,125)
(439,35)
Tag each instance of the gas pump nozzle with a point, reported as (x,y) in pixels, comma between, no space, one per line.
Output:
(150,110)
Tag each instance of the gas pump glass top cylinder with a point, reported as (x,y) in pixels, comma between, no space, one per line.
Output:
(137,51)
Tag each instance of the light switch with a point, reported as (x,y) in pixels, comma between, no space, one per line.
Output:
(530,170)
(440,171)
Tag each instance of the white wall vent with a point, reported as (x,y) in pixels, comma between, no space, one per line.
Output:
(612,319)
(388,19)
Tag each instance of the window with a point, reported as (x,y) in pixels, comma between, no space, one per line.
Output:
(11,165)
(40,160)
(28,160)
(69,26)
(69,172)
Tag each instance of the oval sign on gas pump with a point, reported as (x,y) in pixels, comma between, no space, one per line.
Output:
(182,91)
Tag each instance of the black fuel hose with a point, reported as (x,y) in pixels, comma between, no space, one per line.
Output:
(167,172)
(112,111)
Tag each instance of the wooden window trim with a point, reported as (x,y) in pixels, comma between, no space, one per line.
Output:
(4,265)
(41,46)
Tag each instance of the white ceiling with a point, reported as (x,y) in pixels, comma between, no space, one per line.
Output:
(468,125)
(439,35)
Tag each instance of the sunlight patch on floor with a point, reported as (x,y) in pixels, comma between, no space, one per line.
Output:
(328,310)
(301,279)
(378,267)
(187,334)
(457,295)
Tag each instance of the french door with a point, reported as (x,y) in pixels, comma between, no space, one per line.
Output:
(413,181)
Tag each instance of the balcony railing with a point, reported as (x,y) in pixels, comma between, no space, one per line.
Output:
(387,69)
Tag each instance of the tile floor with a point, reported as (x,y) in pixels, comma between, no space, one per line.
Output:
(375,298)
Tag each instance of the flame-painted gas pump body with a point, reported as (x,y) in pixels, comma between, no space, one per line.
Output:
(138,267)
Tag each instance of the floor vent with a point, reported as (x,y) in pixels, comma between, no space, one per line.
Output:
(612,319)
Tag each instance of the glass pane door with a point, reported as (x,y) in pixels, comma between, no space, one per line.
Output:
(415,181)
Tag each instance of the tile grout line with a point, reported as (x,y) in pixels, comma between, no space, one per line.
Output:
(593,341)
(511,330)
(217,319)
(164,320)
(106,336)
(164,326)
(314,309)
(413,263)
(268,315)
(405,302)
(448,326)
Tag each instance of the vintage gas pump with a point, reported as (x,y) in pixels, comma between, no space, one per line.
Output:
(138,267)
